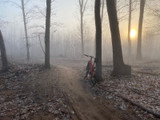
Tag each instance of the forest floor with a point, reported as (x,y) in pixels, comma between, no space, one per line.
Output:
(31,92)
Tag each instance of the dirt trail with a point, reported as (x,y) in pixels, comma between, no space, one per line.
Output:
(83,103)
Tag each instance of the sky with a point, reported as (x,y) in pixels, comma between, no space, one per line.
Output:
(64,10)
(67,15)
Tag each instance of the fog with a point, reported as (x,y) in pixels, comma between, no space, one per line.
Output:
(65,30)
(47,66)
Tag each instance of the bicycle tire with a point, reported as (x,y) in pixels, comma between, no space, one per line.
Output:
(93,81)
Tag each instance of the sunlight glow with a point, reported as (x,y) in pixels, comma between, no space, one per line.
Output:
(133,34)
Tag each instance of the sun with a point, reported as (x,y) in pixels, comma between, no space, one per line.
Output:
(133,34)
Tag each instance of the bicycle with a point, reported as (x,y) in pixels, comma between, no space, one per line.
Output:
(91,70)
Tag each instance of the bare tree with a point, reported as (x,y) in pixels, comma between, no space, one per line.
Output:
(82,5)
(98,40)
(25,28)
(153,24)
(3,54)
(139,44)
(122,9)
(119,68)
(39,29)
(39,39)
(129,27)
(47,34)
(38,35)
(24,13)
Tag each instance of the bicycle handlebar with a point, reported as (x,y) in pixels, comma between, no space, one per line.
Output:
(88,56)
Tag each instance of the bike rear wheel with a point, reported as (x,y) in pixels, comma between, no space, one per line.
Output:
(92,81)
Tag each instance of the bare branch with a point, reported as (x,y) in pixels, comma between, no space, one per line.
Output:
(40,11)
(84,6)
(37,26)
(27,2)
(14,3)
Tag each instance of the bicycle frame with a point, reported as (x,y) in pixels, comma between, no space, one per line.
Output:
(91,71)
(91,65)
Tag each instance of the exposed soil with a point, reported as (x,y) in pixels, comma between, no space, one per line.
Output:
(30,92)
(84,104)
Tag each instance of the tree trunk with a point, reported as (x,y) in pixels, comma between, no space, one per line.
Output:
(25,29)
(139,44)
(98,41)
(39,38)
(47,34)
(102,11)
(119,68)
(3,54)
(129,28)
(82,5)
(115,2)
(82,35)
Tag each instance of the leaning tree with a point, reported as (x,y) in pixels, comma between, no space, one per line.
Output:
(3,53)
(119,68)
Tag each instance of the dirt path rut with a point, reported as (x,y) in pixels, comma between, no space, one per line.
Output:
(80,99)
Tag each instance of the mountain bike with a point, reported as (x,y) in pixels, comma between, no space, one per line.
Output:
(91,70)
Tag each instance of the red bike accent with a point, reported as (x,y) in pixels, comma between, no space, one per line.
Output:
(90,70)
(91,66)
